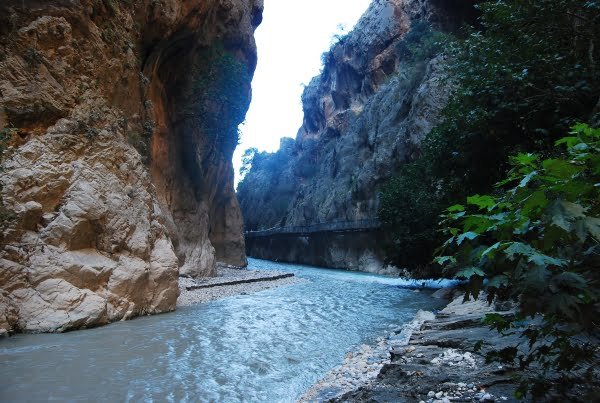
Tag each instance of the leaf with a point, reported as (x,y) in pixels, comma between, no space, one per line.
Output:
(482,201)
(477,223)
(442,260)
(527,179)
(570,141)
(456,208)
(525,159)
(563,214)
(560,168)
(469,272)
(490,252)
(593,226)
(467,235)
(519,249)
(535,203)
(495,320)
(498,281)
(536,278)
(570,280)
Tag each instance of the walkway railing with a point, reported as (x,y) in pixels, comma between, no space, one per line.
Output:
(340,226)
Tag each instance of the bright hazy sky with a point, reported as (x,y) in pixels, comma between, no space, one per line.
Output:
(290,41)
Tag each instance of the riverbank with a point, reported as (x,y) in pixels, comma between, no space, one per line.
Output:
(229,282)
(430,359)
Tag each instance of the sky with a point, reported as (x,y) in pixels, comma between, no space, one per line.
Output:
(290,41)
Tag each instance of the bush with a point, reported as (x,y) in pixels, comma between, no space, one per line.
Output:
(538,243)
(421,43)
(219,97)
(415,236)
(5,215)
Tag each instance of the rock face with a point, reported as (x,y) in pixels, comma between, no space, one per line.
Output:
(113,182)
(364,117)
(357,250)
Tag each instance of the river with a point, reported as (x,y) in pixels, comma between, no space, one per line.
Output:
(270,346)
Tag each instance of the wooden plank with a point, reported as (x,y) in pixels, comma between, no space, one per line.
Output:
(234,282)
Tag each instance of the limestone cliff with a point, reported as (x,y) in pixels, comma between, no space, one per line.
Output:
(115,177)
(381,90)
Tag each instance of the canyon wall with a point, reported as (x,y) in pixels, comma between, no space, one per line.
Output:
(357,250)
(116,173)
(381,90)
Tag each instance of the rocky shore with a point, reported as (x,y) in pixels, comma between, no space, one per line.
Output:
(430,359)
(231,281)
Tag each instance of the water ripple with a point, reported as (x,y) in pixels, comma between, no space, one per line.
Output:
(269,346)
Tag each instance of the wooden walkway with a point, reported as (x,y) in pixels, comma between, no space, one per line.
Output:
(340,226)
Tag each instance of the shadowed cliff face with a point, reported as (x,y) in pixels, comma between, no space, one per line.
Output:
(364,116)
(200,90)
(116,176)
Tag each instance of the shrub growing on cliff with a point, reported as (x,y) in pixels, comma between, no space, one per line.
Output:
(219,97)
(538,243)
(421,43)
(5,215)
(529,74)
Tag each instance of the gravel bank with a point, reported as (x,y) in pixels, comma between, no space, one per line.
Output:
(361,367)
(427,360)
(433,360)
(225,275)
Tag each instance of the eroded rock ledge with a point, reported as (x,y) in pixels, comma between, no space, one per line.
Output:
(113,178)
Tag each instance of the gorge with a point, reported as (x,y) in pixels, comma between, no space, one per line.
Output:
(430,234)
(364,117)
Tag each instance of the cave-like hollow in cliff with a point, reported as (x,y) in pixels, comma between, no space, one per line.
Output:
(199,93)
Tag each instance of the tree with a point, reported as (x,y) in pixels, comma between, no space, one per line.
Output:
(528,75)
(247,160)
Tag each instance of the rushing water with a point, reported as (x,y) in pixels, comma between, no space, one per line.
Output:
(270,346)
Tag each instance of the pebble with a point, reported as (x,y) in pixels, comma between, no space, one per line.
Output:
(439,395)
(431,394)
(487,398)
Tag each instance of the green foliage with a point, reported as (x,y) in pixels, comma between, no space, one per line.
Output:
(247,160)
(5,215)
(141,144)
(537,242)
(414,235)
(219,98)
(264,185)
(5,136)
(421,43)
(529,74)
